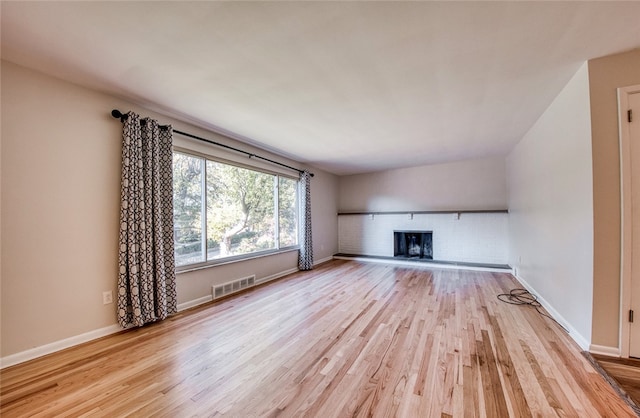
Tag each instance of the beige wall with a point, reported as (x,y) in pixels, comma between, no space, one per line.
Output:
(605,76)
(471,184)
(60,179)
(59,210)
(550,207)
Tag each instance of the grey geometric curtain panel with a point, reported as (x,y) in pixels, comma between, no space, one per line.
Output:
(305,254)
(146,279)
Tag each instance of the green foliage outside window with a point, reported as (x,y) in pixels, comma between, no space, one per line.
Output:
(247,211)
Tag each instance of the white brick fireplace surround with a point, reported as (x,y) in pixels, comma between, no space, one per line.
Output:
(468,237)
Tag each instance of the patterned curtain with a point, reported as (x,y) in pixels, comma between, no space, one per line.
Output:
(146,281)
(305,255)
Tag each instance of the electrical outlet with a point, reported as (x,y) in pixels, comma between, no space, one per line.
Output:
(107,297)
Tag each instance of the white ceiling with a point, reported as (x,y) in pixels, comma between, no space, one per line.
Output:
(345,86)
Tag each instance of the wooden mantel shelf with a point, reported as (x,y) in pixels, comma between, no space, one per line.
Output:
(420,212)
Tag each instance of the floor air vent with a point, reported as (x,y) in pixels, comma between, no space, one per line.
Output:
(232,287)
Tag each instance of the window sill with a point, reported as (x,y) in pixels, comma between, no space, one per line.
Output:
(231,260)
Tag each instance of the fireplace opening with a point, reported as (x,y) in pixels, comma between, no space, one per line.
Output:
(413,244)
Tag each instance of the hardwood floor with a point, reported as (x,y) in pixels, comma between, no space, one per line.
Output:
(625,372)
(346,339)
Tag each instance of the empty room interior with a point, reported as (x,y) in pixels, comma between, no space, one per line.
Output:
(320,209)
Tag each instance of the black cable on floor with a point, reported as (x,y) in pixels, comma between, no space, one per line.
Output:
(524,297)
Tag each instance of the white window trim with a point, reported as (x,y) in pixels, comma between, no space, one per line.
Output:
(234,259)
(241,257)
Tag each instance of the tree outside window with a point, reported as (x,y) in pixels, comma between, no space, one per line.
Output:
(243,211)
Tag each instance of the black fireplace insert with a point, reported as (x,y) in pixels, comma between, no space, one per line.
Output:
(413,244)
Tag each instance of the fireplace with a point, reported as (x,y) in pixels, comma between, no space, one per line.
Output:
(413,244)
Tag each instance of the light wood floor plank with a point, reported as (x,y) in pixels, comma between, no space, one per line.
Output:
(346,339)
(624,372)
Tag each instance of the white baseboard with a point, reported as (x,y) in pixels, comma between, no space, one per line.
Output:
(194,303)
(206,299)
(322,260)
(209,298)
(573,333)
(276,276)
(43,350)
(604,350)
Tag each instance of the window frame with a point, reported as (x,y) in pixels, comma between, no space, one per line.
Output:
(248,256)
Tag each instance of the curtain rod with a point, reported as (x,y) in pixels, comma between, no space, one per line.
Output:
(123,116)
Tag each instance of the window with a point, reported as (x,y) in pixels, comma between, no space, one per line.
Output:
(222,211)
